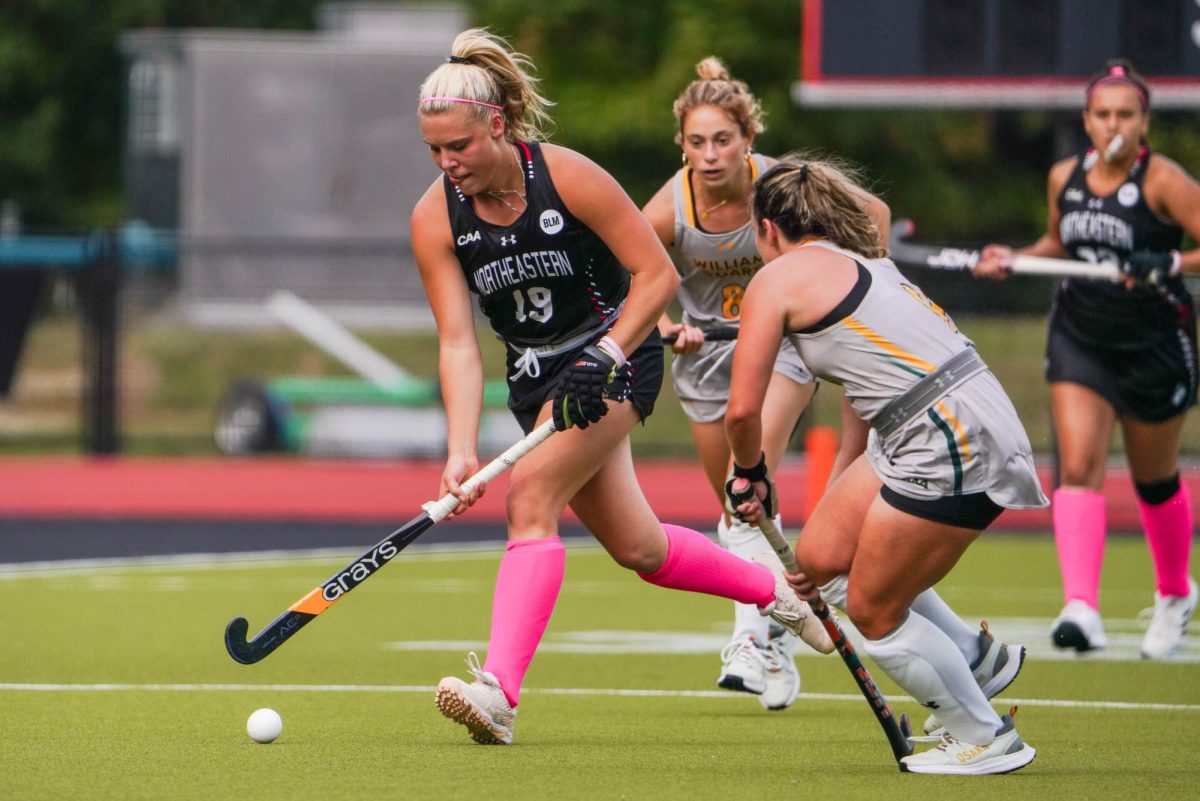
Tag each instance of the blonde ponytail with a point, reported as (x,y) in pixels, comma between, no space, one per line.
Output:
(484,73)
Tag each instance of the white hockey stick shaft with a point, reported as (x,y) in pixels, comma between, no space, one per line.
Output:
(1064,268)
(965,259)
(437,510)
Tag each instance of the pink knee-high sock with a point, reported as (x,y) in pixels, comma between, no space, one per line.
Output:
(527,585)
(697,564)
(1169,533)
(1079,531)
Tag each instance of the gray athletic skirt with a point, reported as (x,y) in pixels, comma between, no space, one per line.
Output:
(702,379)
(968,441)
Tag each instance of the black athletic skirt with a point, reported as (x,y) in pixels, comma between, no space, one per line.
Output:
(638,381)
(975,510)
(1152,382)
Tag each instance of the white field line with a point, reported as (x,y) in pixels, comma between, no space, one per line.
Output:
(484,549)
(578,691)
(1125,640)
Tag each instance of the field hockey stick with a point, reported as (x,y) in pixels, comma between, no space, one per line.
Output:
(721,333)
(898,730)
(965,259)
(336,586)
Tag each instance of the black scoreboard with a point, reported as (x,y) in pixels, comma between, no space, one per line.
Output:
(999,53)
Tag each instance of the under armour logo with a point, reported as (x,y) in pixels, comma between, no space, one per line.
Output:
(505,241)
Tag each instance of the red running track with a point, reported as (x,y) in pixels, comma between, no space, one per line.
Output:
(293,489)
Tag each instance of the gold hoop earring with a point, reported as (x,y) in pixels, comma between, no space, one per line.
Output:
(683,158)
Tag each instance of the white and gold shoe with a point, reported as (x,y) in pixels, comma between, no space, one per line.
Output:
(1006,753)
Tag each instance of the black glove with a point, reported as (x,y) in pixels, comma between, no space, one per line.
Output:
(755,475)
(579,399)
(1151,266)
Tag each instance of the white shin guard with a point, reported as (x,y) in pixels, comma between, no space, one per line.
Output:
(926,663)
(928,605)
(746,541)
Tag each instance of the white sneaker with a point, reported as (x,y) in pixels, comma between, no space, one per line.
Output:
(1078,626)
(792,613)
(1003,755)
(996,668)
(745,666)
(480,705)
(783,680)
(1168,625)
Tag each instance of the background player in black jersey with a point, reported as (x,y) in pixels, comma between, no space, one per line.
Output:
(1120,353)
(572,277)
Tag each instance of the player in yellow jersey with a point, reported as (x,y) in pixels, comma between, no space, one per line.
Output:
(702,216)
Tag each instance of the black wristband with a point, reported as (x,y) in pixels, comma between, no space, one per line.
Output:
(756,473)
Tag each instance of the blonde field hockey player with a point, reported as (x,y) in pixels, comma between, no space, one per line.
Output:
(702,217)
(570,276)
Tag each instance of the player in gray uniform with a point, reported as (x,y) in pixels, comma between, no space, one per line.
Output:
(702,216)
(945,455)
(1120,355)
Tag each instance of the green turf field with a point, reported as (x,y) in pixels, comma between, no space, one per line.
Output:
(114,683)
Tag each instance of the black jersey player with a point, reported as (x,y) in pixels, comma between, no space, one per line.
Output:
(1120,353)
(572,277)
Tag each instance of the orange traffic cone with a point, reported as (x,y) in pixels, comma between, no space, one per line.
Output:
(820,450)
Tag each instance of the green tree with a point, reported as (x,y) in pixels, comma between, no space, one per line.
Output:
(613,66)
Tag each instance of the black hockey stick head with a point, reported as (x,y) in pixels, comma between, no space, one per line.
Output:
(236,644)
(902,745)
(250,651)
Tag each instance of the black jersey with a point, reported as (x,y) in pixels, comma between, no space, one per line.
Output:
(1094,228)
(547,278)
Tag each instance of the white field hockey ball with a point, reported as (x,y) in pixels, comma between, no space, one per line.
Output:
(264,725)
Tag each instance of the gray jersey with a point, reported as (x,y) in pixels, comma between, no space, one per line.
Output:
(714,270)
(966,440)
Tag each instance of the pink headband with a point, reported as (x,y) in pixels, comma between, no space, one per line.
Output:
(461,100)
(1118,75)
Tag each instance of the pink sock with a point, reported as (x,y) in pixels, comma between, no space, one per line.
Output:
(1079,529)
(1169,533)
(697,564)
(531,574)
